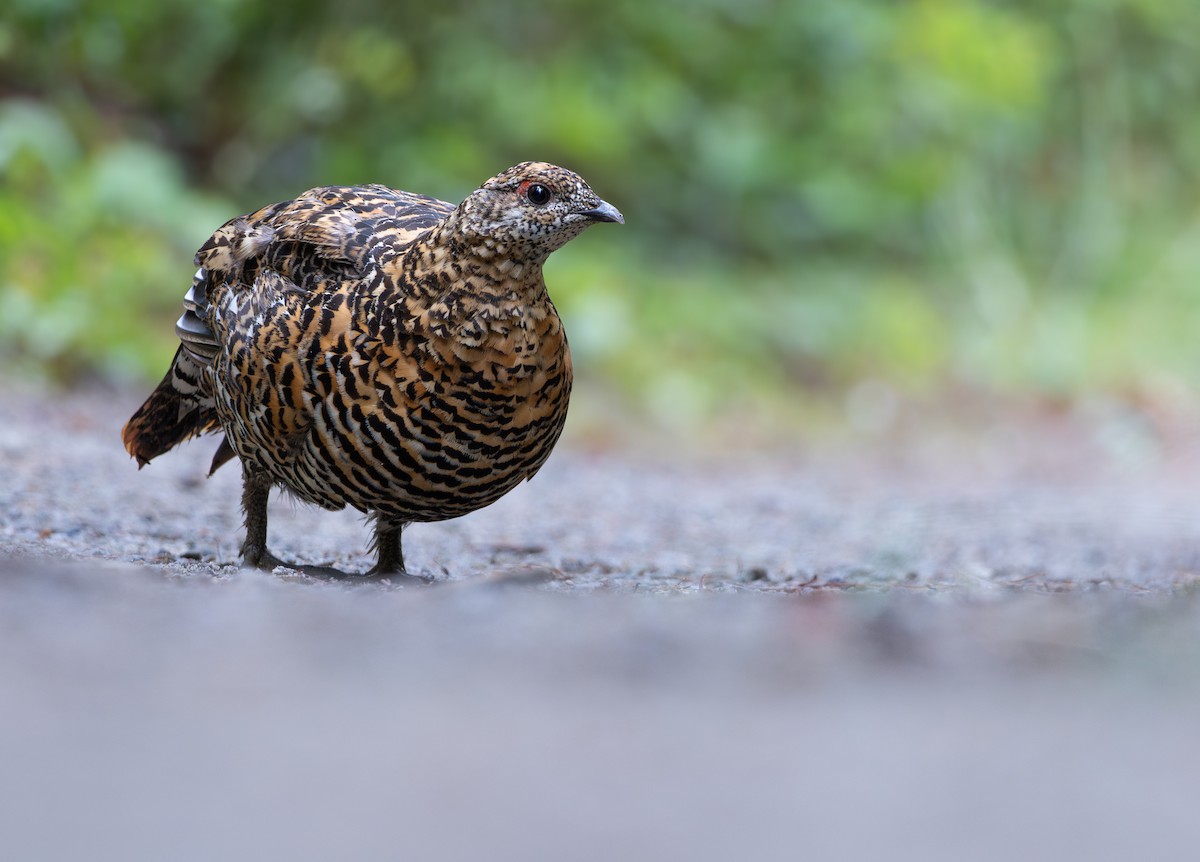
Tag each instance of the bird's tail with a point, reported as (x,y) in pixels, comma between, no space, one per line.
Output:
(177,410)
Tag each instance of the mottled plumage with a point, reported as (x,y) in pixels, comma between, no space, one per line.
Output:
(379,349)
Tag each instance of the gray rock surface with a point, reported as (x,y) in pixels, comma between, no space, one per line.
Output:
(944,653)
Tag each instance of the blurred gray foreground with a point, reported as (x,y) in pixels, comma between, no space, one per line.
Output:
(964,650)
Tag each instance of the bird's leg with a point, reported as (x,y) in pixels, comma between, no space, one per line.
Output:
(389,557)
(256,489)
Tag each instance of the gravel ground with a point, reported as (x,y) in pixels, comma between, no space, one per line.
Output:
(950,648)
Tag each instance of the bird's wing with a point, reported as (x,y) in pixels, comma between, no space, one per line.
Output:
(334,225)
(324,234)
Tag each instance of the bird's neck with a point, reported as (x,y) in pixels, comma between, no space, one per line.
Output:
(448,264)
(442,286)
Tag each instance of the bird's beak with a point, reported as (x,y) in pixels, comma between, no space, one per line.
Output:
(604,212)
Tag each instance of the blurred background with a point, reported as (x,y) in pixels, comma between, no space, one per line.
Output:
(838,213)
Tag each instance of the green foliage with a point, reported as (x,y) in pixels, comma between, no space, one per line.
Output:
(85,240)
(996,193)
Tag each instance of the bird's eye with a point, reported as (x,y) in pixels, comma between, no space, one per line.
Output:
(537,194)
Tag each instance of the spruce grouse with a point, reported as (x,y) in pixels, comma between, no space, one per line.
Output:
(367,347)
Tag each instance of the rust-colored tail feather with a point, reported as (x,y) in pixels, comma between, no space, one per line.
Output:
(176,410)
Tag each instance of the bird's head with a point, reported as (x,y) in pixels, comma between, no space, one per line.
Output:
(530,210)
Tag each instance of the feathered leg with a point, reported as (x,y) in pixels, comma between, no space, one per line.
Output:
(389,558)
(256,489)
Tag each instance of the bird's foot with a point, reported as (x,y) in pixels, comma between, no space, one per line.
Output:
(396,576)
(372,576)
(265,561)
(262,559)
(323,573)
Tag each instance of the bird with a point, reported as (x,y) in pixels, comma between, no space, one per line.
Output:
(379,349)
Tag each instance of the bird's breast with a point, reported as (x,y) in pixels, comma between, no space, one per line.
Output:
(508,366)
